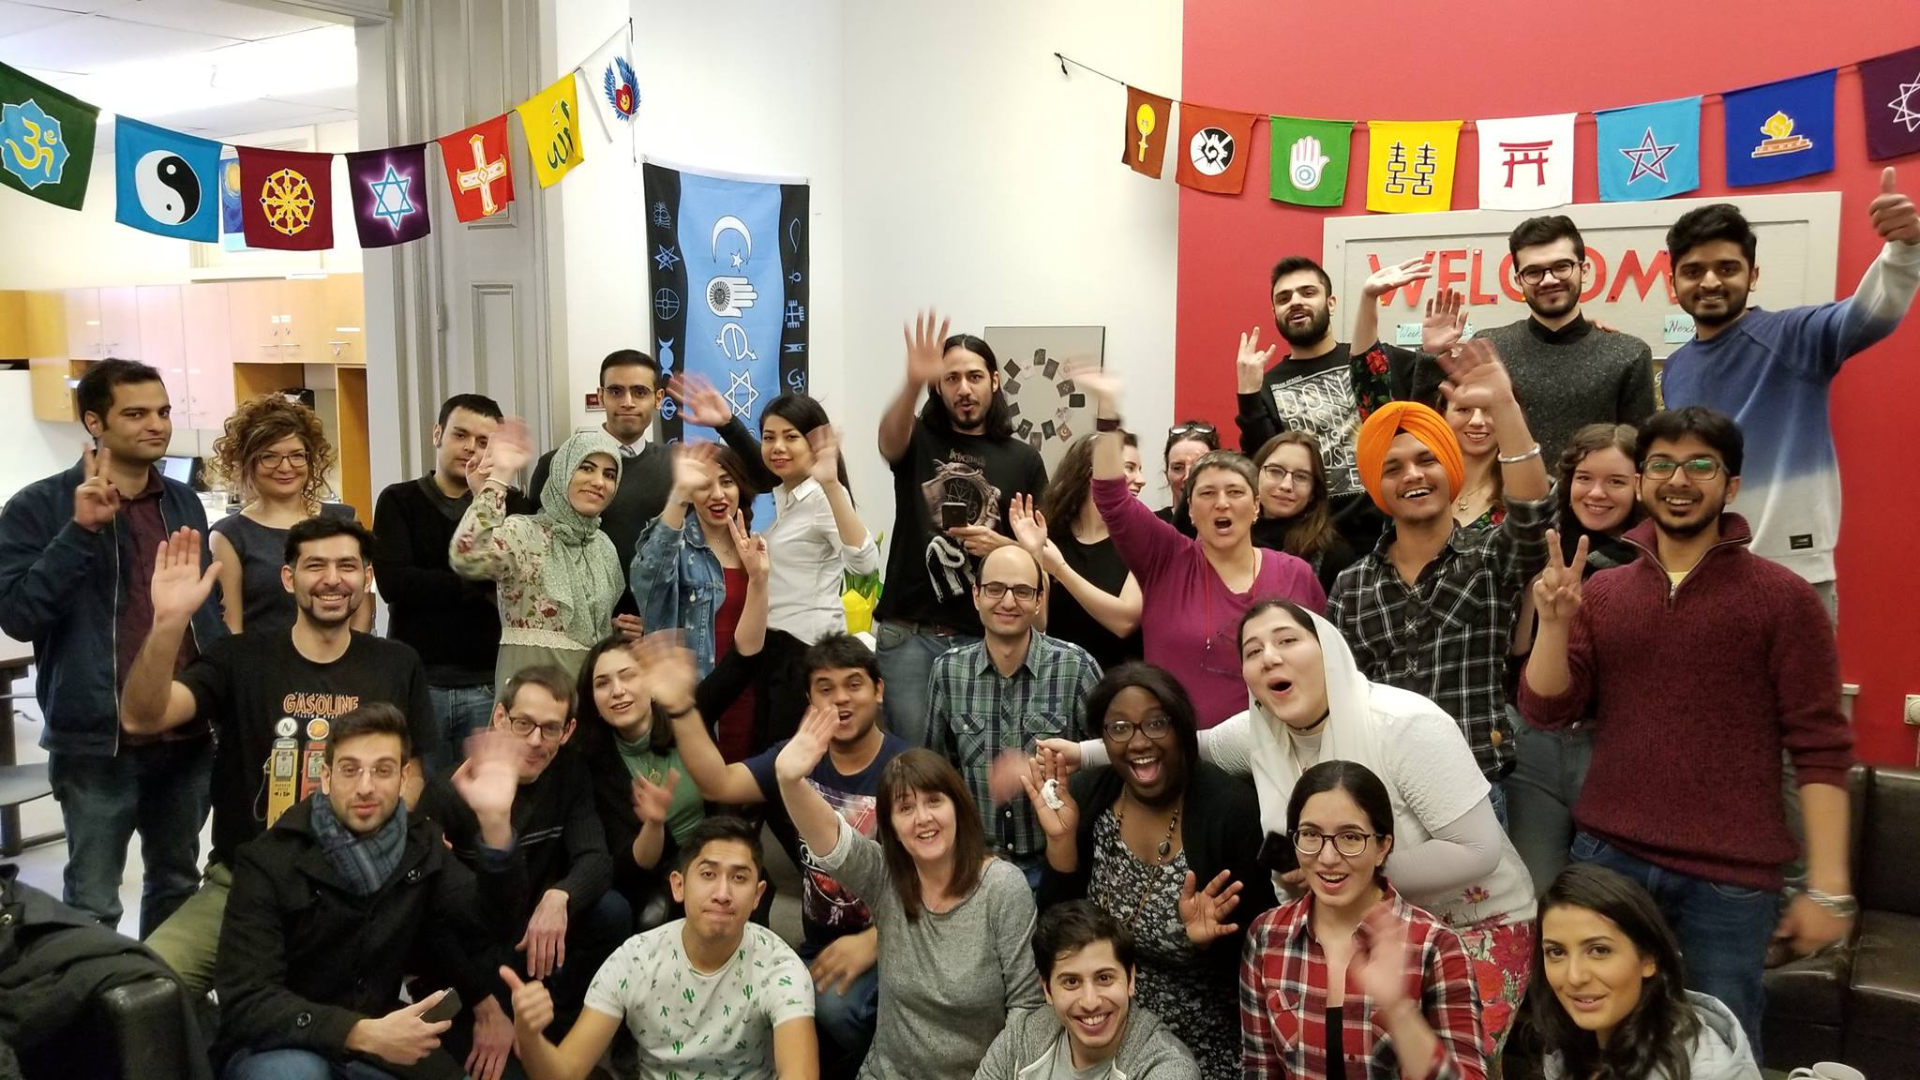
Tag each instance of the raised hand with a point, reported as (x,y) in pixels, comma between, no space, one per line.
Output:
(1388,278)
(1557,591)
(1380,958)
(700,401)
(1250,364)
(651,800)
(667,666)
(179,586)
(1029,524)
(96,500)
(1058,822)
(803,752)
(532,1005)
(1446,321)
(1476,379)
(1102,384)
(1204,912)
(1894,217)
(695,465)
(490,776)
(926,347)
(510,448)
(826,455)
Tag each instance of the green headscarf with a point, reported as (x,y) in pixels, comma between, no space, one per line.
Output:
(582,569)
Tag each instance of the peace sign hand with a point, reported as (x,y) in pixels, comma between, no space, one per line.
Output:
(1204,912)
(1557,591)
(96,500)
(1250,365)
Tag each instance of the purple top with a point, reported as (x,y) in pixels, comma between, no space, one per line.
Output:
(1191,621)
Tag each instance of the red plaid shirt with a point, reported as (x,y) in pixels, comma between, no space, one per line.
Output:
(1283,1000)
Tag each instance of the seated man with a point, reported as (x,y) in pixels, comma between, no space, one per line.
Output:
(707,995)
(345,894)
(562,914)
(1094,1029)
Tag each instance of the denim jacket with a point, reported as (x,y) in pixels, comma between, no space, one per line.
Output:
(61,589)
(680,585)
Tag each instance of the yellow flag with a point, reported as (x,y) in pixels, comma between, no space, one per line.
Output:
(1410,165)
(551,119)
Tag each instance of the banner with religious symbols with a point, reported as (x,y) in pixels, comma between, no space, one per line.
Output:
(611,83)
(1780,131)
(1410,165)
(165,182)
(1144,147)
(390,196)
(551,122)
(479,177)
(286,199)
(1214,148)
(1648,151)
(743,244)
(1526,162)
(1309,160)
(1890,90)
(46,140)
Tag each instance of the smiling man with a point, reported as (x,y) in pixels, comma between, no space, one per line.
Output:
(1093,1031)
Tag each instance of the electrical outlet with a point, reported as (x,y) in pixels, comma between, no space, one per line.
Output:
(1913,710)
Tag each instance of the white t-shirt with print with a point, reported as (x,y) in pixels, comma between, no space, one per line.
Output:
(690,1023)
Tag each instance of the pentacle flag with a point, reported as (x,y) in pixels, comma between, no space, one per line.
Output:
(286,199)
(166,182)
(1779,131)
(1648,151)
(46,139)
(1213,149)
(1149,116)
(551,121)
(1410,165)
(1309,160)
(478,175)
(1526,162)
(390,195)
(1890,89)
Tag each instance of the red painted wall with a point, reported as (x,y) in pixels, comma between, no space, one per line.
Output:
(1360,59)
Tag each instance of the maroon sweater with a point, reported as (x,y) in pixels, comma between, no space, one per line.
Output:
(1694,692)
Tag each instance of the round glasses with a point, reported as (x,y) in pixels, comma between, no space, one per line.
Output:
(1348,842)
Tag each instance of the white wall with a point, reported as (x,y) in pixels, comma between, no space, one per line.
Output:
(49,247)
(32,448)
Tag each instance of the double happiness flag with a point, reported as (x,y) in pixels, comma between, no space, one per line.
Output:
(286,199)
(1145,146)
(390,195)
(1410,165)
(1213,150)
(1648,151)
(165,182)
(1526,162)
(1780,131)
(1308,164)
(46,140)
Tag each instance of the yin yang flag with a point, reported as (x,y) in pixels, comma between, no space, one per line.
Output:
(166,182)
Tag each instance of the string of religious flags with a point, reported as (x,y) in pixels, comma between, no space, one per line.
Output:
(1774,132)
(178,185)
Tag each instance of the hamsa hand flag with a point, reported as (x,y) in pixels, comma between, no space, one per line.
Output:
(46,140)
(611,83)
(1780,131)
(286,199)
(1648,151)
(165,182)
(1309,165)
(551,121)
(1410,165)
(1526,162)
(478,175)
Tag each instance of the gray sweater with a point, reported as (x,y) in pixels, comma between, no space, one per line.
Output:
(1720,1053)
(1148,1051)
(947,980)
(1564,379)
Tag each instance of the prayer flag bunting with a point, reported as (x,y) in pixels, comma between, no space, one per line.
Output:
(46,140)
(165,182)
(611,83)
(1890,89)
(1144,149)
(286,199)
(1648,151)
(1213,149)
(1410,165)
(480,179)
(1308,160)
(390,195)
(551,122)
(1780,131)
(1526,162)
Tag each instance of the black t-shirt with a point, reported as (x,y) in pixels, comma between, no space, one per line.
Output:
(1100,564)
(256,689)
(930,576)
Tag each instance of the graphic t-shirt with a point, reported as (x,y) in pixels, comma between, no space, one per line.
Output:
(272,712)
(929,575)
(695,1024)
(1316,396)
(827,911)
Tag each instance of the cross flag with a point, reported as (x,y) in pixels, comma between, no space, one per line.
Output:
(478,175)
(1526,162)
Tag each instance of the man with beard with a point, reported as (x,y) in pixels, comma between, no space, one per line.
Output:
(1696,663)
(955,468)
(452,622)
(271,699)
(1566,373)
(1772,370)
(630,392)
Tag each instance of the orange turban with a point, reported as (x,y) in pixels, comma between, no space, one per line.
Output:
(1376,435)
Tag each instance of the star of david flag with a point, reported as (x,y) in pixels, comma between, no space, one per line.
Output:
(390,195)
(1780,131)
(165,182)
(727,288)
(46,140)
(1648,151)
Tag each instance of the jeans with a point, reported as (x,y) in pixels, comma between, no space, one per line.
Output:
(1497,797)
(906,666)
(160,790)
(297,1065)
(1549,769)
(1723,929)
(458,711)
(845,1021)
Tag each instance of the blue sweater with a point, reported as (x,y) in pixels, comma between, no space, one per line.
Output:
(1771,371)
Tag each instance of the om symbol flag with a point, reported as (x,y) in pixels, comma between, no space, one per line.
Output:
(46,140)
(551,119)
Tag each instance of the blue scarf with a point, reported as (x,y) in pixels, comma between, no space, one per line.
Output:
(364,862)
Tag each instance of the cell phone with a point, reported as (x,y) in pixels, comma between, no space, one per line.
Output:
(447,1008)
(1278,855)
(953,515)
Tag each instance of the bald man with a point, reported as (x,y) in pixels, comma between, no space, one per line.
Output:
(998,695)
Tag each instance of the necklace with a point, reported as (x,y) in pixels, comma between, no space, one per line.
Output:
(1466,497)
(1162,852)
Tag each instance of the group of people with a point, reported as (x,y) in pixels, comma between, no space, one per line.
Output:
(1457,722)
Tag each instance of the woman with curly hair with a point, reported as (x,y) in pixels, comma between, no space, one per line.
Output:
(275,457)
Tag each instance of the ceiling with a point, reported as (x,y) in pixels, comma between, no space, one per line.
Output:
(213,68)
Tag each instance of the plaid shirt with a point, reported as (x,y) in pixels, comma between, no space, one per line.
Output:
(1447,636)
(1283,999)
(977,713)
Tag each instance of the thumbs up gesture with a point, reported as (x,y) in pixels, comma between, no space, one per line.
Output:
(532,1005)
(1894,217)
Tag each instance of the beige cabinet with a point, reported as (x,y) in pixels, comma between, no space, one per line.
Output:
(278,322)
(163,344)
(207,327)
(13,325)
(103,323)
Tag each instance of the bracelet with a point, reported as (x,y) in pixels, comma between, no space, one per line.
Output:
(1103,423)
(1843,905)
(1518,458)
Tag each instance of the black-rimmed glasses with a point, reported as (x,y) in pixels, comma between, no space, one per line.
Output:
(997,591)
(1348,842)
(1120,732)
(1534,275)
(1700,468)
(524,726)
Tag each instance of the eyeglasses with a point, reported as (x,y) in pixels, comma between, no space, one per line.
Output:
(1700,468)
(1191,427)
(1562,270)
(1348,842)
(352,770)
(621,393)
(1121,732)
(524,726)
(297,459)
(1273,474)
(997,591)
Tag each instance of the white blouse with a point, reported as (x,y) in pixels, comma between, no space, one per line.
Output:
(807,579)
